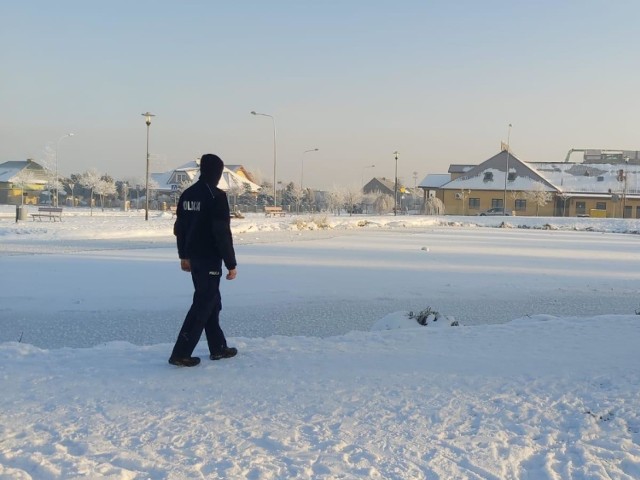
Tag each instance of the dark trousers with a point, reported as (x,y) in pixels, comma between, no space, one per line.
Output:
(204,313)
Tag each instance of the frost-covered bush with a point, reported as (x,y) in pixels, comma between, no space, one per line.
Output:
(428,315)
(433,206)
(425,316)
(313,223)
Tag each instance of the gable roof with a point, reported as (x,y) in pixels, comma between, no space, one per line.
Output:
(435,180)
(243,172)
(490,175)
(168,181)
(9,170)
(380,184)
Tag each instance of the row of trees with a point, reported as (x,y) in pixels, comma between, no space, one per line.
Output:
(338,200)
(83,188)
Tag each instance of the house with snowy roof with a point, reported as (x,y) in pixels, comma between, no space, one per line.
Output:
(432,184)
(609,189)
(488,186)
(22,182)
(380,185)
(171,183)
(606,186)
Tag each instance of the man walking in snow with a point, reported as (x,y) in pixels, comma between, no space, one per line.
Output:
(203,234)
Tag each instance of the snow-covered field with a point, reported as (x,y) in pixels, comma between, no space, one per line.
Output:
(332,379)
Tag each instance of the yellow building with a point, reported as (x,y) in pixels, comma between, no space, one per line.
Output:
(21,182)
(606,186)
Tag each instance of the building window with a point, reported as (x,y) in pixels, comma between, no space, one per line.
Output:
(581,208)
(521,205)
(474,204)
(601,205)
(496,203)
(601,178)
(627,211)
(512,176)
(637,212)
(488,176)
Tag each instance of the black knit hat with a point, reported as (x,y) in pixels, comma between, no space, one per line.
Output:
(211,167)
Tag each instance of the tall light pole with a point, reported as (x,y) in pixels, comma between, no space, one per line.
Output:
(275,201)
(395,188)
(147,119)
(363,169)
(302,172)
(506,174)
(624,188)
(58,148)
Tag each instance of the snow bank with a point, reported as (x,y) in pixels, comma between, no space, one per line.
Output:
(535,398)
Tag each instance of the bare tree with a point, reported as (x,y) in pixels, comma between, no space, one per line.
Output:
(462,196)
(539,196)
(134,184)
(234,192)
(90,180)
(383,204)
(104,187)
(433,206)
(352,197)
(153,187)
(24,178)
(298,195)
(335,200)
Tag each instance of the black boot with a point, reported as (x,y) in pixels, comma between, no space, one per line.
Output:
(184,362)
(226,352)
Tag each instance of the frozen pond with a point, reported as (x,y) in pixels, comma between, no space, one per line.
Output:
(79,292)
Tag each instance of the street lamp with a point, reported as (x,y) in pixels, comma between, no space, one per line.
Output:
(363,169)
(506,174)
(58,148)
(624,188)
(147,116)
(275,202)
(395,188)
(302,173)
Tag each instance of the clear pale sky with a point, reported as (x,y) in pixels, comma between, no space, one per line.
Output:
(438,81)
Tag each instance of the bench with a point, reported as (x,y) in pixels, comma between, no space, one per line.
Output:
(273,211)
(52,213)
(234,214)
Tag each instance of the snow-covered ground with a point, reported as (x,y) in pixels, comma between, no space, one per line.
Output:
(333,380)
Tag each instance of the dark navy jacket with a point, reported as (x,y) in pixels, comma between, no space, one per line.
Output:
(202,227)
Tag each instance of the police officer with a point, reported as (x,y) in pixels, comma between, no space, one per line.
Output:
(203,234)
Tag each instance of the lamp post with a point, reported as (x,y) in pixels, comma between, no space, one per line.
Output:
(56,178)
(415,189)
(275,201)
(506,174)
(363,169)
(624,188)
(395,187)
(302,174)
(147,119)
